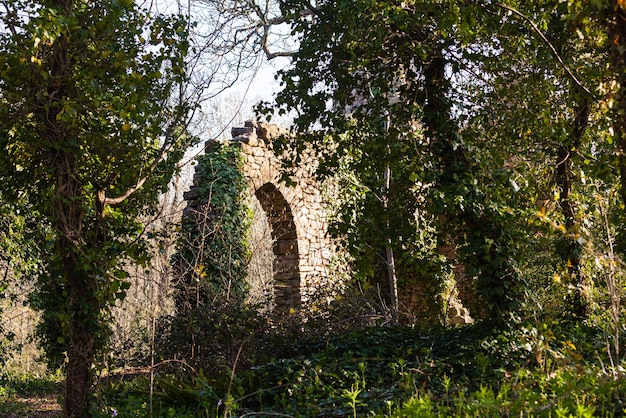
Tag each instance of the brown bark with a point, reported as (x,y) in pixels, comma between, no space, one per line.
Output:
(82,347)
(565,179)
(81,290)
(81,287)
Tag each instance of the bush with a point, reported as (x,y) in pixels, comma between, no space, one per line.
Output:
(215,337)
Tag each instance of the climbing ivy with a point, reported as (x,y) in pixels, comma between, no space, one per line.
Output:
(212,248)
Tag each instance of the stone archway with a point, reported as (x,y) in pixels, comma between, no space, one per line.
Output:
(295,213)
(286,264)
(297,222)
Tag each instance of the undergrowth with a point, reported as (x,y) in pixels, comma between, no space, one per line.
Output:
(558,369)
(14,386)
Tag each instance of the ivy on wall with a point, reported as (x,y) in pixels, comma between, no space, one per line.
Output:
(213,250)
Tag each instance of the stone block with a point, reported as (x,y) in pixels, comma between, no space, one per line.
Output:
(240,131)
(270,132)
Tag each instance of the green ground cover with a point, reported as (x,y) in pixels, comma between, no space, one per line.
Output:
(545,370)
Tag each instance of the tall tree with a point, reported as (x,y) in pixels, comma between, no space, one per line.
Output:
(543,103)
(91,128)
(360,61)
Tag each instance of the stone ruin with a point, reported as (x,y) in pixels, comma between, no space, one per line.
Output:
(297,216)
(295,213)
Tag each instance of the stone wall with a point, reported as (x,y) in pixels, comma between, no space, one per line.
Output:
(298,219)
(295,213)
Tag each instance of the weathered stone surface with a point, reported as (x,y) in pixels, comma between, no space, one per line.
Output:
(295,213)
(239,131)
(458,314)
(270,132)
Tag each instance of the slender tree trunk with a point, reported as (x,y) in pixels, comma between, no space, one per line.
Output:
(390,260)
(617,38)
(572,252)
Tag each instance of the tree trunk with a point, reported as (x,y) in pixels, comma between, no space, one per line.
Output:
(81,287)
(572,252)
(393,284)
(617,38)
(389,258)
(68,213)
(82,347)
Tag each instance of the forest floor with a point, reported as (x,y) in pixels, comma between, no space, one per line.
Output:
(41,406)
(40,398)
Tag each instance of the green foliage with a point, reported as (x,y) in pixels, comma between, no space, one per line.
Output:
(216,337)
(213,319)
(172,396)
(567,393)
(91,131)
(549,369)
(212,255)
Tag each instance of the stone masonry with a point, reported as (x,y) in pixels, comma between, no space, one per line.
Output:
(297,217)
(295,213)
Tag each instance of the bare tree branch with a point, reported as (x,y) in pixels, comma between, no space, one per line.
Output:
(238,31)
(104,200)
(9,15)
